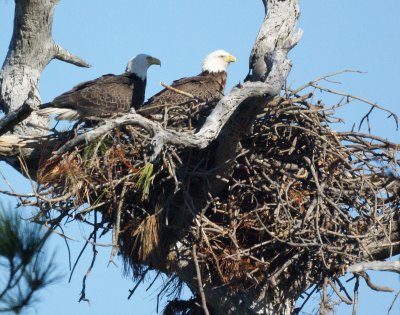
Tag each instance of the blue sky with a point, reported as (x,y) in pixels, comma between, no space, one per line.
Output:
(339,34)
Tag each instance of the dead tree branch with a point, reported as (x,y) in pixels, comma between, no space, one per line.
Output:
(31,49)
(285,199)
(393,266)
(8,122)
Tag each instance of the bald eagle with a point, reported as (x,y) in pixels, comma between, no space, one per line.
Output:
(104,96)
(206,88)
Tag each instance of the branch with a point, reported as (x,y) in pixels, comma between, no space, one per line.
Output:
(374,286)
(269,63)
(168,87)
(343,298)
(31,49)
(8,122)
(64,55)
(230,120)
(209,132)
(361,99)
(200,283)
(277,32)
(393,266)
(323,77)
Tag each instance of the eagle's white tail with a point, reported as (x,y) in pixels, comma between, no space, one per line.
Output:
(61,113)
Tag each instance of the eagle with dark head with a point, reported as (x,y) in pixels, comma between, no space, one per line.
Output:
(191,97)
(105,96)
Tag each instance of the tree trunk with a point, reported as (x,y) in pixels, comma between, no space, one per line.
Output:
(31,49)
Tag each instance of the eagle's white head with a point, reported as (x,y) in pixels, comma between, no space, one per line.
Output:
(218,61)
(140,63)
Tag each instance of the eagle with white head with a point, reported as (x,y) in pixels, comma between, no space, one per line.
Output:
(105,96)
(206,87)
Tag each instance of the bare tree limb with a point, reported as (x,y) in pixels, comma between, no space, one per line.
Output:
(31,49)
(8,122)
(355,302)
(361,99)
(277,33)
(394,300)
(64,55)
(232,118)
(321,78)
(162,137)
(393,266)
(200,283)
(372,285)
(343,298)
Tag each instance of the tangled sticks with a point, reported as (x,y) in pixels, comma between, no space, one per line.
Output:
(302,202)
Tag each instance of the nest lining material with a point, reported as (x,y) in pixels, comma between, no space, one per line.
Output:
(300,197)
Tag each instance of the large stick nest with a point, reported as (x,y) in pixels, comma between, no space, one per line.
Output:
(301,203)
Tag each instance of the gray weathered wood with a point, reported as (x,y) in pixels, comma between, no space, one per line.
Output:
(230,120)
(277,33)
(375,265)
(31,49)
(269,67)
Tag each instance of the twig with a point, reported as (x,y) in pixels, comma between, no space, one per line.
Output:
(394,300)
(324,299)
(58,233)
(342,288)
(168,87)
(94,250)
(117,224)
(359,135)
(355,301)
(68,248)
(299,99)
(361,99)
(324,77)
(78,258)
(343,298)
(14,194)
(98,244)
(132,291)
(152,282)
(372,285)
(199,282)
(306,299)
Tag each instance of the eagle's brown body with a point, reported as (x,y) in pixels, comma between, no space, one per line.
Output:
(206,88)
(102,97)
(188,101)
(105,96)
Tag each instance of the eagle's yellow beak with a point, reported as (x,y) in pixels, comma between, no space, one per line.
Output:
(230,58)
(153,61)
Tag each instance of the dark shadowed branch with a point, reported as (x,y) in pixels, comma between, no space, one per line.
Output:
(8,122)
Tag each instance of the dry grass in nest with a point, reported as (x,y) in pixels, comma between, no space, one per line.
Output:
(113,177)
(302,200)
